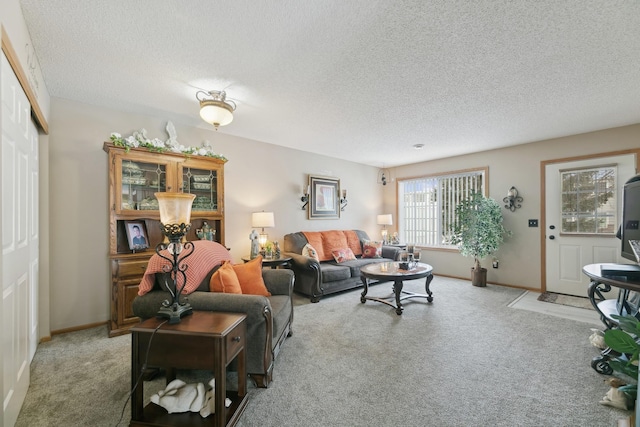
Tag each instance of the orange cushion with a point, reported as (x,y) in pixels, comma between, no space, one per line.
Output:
(225,280)
(315,239)
(353,241)
(250,277)
(332,240)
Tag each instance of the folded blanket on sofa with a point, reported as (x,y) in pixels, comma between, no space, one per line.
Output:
(205,256)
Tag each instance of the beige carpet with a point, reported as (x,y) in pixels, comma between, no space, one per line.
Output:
(570,300)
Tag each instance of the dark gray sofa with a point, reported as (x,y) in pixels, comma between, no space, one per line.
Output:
(316,279)
(268,318)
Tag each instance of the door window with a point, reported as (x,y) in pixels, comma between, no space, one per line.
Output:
(589,200)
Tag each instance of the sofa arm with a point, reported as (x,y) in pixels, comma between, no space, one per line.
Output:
(391,252)
(279,282)
(302,262)
(308,275)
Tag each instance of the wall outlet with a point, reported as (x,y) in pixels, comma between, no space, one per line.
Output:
(533,223)
(495,264)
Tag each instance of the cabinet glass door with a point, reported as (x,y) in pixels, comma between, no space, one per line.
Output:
(203,183)
(140,180)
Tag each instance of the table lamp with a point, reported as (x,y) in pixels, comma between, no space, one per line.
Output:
(175,222)
(384,220)
(263,220)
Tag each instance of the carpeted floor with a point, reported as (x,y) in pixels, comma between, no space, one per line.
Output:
(570,300)
(466,359)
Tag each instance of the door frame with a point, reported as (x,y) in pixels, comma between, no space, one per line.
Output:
(543,201)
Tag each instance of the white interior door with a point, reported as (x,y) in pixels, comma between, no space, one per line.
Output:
(575,235)
(20,247)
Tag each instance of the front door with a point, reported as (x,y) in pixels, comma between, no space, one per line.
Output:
(583,207)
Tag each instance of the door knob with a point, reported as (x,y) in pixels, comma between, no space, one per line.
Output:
(552,237)
(552,227)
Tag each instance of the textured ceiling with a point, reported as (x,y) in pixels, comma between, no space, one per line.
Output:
(357,80)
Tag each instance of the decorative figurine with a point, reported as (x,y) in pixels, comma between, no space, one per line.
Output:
(173,135)
(276,247)
(394,239)
(208,233)
(255,245)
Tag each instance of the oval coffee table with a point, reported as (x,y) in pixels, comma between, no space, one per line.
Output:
(390,272)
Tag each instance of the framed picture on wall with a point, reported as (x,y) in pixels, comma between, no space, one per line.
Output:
(324,202)
(137,235)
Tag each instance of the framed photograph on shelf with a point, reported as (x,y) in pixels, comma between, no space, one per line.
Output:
(324,203)
(137,235)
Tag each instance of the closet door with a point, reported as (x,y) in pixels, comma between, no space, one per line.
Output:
(20,247)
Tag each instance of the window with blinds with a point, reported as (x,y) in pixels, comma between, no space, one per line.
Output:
(426,205)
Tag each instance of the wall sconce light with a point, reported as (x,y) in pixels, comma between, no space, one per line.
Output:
(305,197)
(175,222)
(262,220)
(343,200)
(215,108)
(512,200)
(384,220)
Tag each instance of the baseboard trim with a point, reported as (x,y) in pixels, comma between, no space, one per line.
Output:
(508,285)
(77,328)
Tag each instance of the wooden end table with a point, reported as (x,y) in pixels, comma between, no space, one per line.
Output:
(202,340)
(390,272)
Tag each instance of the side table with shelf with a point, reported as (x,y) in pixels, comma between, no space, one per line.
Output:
(202,340)
(604,277)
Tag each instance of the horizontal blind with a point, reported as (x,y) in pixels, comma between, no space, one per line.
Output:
(427,205)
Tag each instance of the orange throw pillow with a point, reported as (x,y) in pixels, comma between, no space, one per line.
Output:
(225,280)
(250,277)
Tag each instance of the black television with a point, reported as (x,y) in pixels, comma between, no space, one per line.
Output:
(630,225)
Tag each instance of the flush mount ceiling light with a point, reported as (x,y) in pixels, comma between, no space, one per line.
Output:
(215,108)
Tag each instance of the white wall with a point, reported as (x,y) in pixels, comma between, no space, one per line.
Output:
(258,176)
(520,166)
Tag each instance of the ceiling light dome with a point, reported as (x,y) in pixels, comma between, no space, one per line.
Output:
(215,108)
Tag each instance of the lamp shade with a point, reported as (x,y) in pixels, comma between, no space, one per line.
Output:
(262,219)
(218,113)
(385,219)
(175,208)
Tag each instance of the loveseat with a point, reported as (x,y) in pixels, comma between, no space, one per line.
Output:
(268,319)
(324,275)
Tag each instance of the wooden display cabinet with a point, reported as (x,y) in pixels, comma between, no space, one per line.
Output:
(134,176)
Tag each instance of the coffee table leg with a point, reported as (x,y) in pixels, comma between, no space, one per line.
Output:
(366,289)
(426,287)
(397,287)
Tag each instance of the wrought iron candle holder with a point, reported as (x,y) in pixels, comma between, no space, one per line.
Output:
(513,201)
(178,252)
(343,200)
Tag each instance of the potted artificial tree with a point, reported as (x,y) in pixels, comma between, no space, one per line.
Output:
(478,232)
